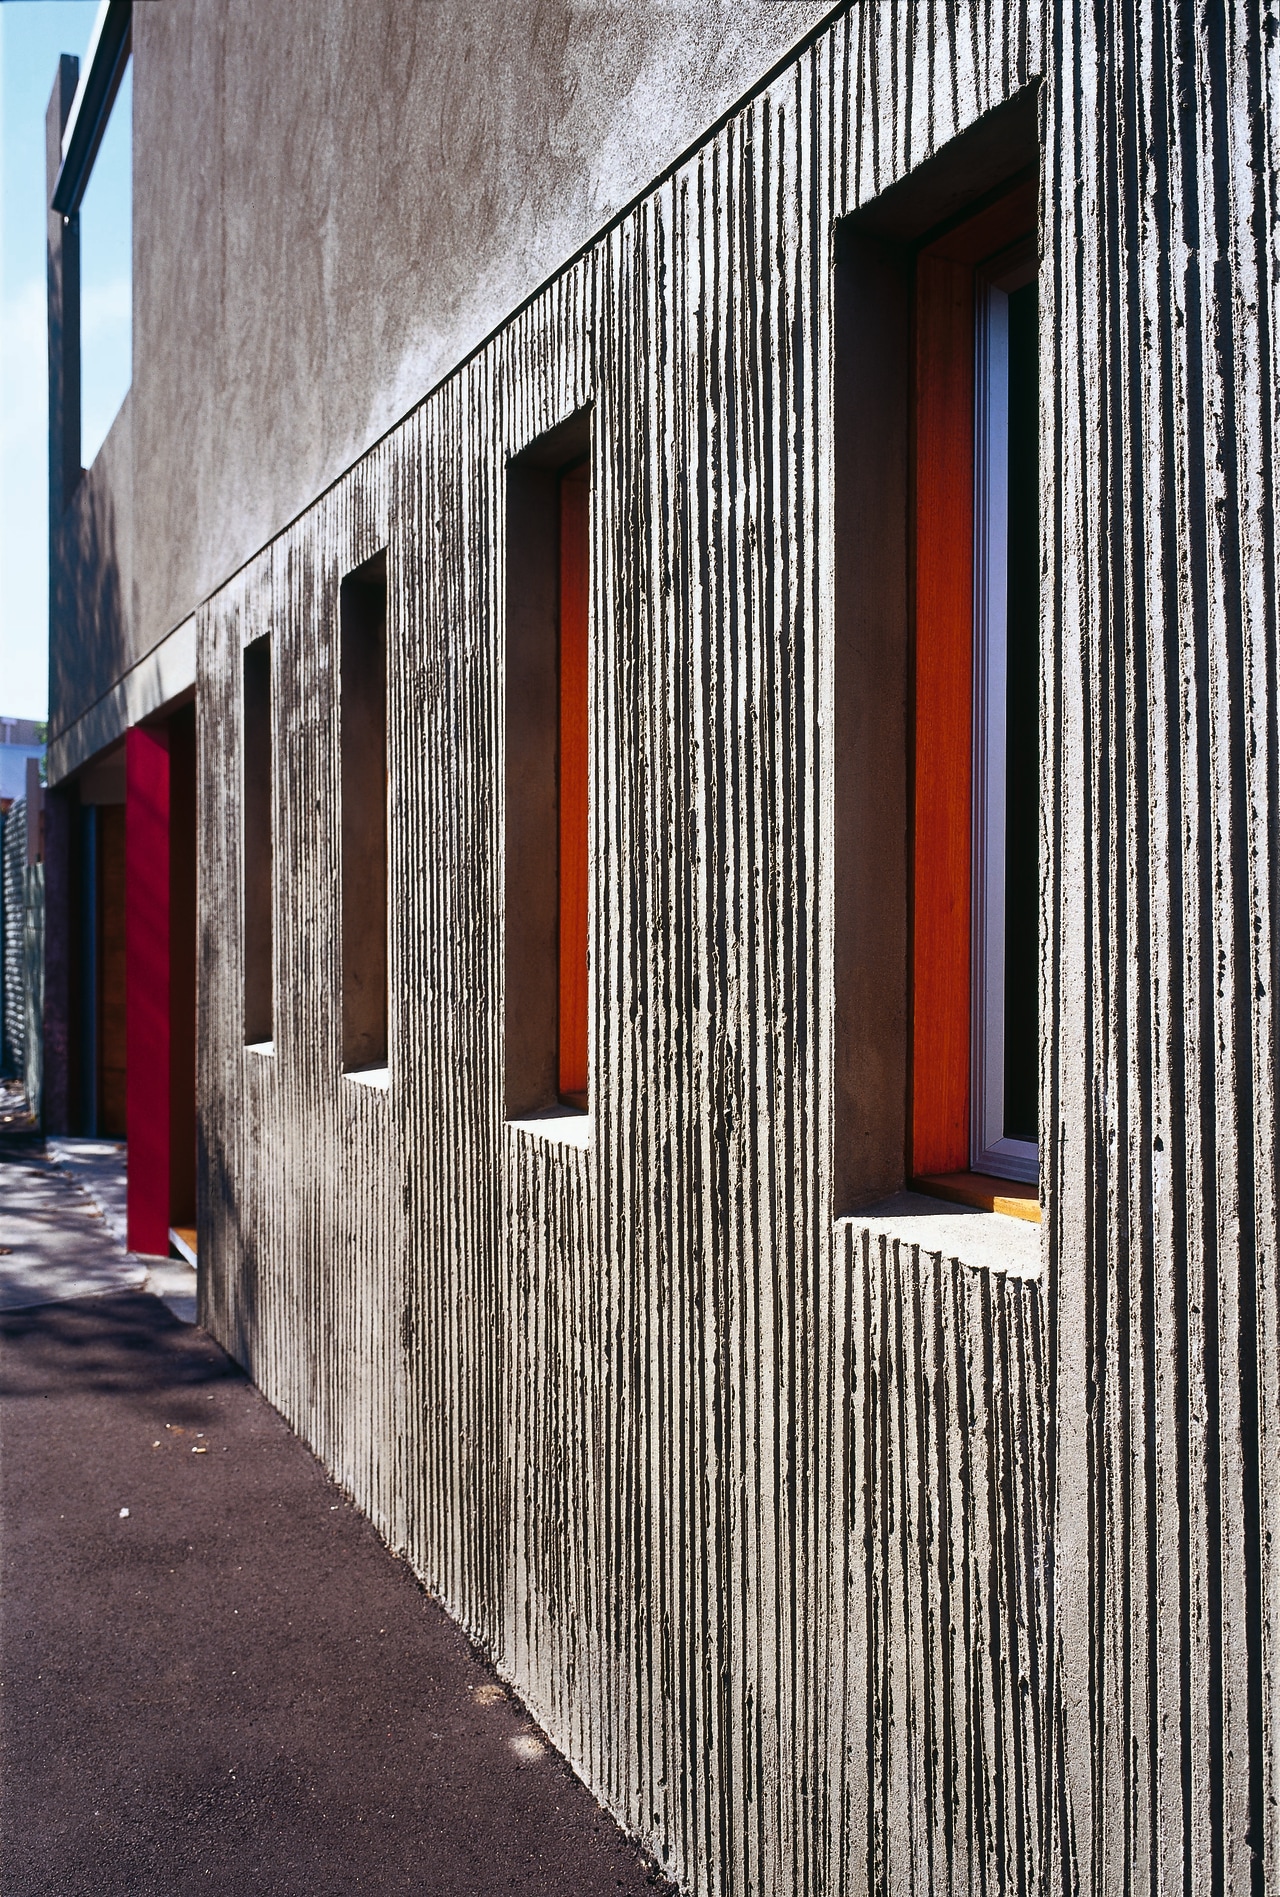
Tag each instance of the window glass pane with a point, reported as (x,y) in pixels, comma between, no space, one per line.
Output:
(1022,763)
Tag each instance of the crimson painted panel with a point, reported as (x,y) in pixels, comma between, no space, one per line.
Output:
(147,1011)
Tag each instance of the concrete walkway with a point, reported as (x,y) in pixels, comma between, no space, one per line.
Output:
(62,1221)
(101,1168)
(216,1678)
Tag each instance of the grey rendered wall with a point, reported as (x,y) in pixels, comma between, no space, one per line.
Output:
(832,1565)
(332,206)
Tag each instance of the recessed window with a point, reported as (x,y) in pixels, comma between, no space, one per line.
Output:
(547,772)
(935,648)
(975,957)
(257,842)
(572,877)
(363,743)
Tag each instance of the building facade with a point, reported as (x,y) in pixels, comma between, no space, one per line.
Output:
(21,745)
(534,619)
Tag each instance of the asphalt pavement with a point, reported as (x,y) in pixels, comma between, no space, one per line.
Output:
(215,1677)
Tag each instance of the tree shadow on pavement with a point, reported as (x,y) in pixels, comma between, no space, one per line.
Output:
(125,1344)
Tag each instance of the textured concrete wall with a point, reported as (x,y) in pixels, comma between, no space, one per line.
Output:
(752,1511)
(94,629)
(832,1564)
(332,205)
(1164,871)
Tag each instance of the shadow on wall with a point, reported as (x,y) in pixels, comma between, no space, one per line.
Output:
(89,641)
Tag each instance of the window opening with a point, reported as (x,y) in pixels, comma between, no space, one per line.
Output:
(547,772)
(975,955)
(363,743)
(574,499)
(257,842)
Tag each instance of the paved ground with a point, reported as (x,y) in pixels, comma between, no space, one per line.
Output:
(215,1677)
(62,1223)
(100,1167)
(54,1241)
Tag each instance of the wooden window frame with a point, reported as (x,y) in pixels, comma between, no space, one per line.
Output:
(948,1061)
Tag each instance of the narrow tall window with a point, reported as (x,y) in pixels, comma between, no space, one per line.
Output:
(574,498)
(363,737)
(1006,1006)
(975,959)
(256,809)
(547,770)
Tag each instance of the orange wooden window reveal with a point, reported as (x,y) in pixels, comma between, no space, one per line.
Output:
(944,346)
(943,369)
(574,557)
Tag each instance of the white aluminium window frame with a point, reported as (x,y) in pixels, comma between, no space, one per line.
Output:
(991,1151)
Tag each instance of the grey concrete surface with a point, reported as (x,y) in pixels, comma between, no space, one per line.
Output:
(54,1241)
(101,1169)
(216,1676)
(173,1281)
(960,1234)
(478,147)
(822,1555)
(62,1222)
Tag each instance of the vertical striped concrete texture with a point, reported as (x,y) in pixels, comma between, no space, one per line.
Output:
(833,1565)
(1163,145)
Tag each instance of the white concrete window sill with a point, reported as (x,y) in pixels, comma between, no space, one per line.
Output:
(556,1127)
(379,1077)
(265,1048)
(983,1241)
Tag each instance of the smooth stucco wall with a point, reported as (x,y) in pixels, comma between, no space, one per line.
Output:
(334,204)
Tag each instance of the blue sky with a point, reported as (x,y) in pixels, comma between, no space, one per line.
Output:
(32,34)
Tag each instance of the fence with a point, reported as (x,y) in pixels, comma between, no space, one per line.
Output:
(21,956)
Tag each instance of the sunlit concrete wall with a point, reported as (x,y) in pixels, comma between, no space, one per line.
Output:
(333,204)
(834,1563)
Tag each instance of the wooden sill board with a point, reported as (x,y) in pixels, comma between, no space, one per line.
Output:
(183,1240)
(1010,1196)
